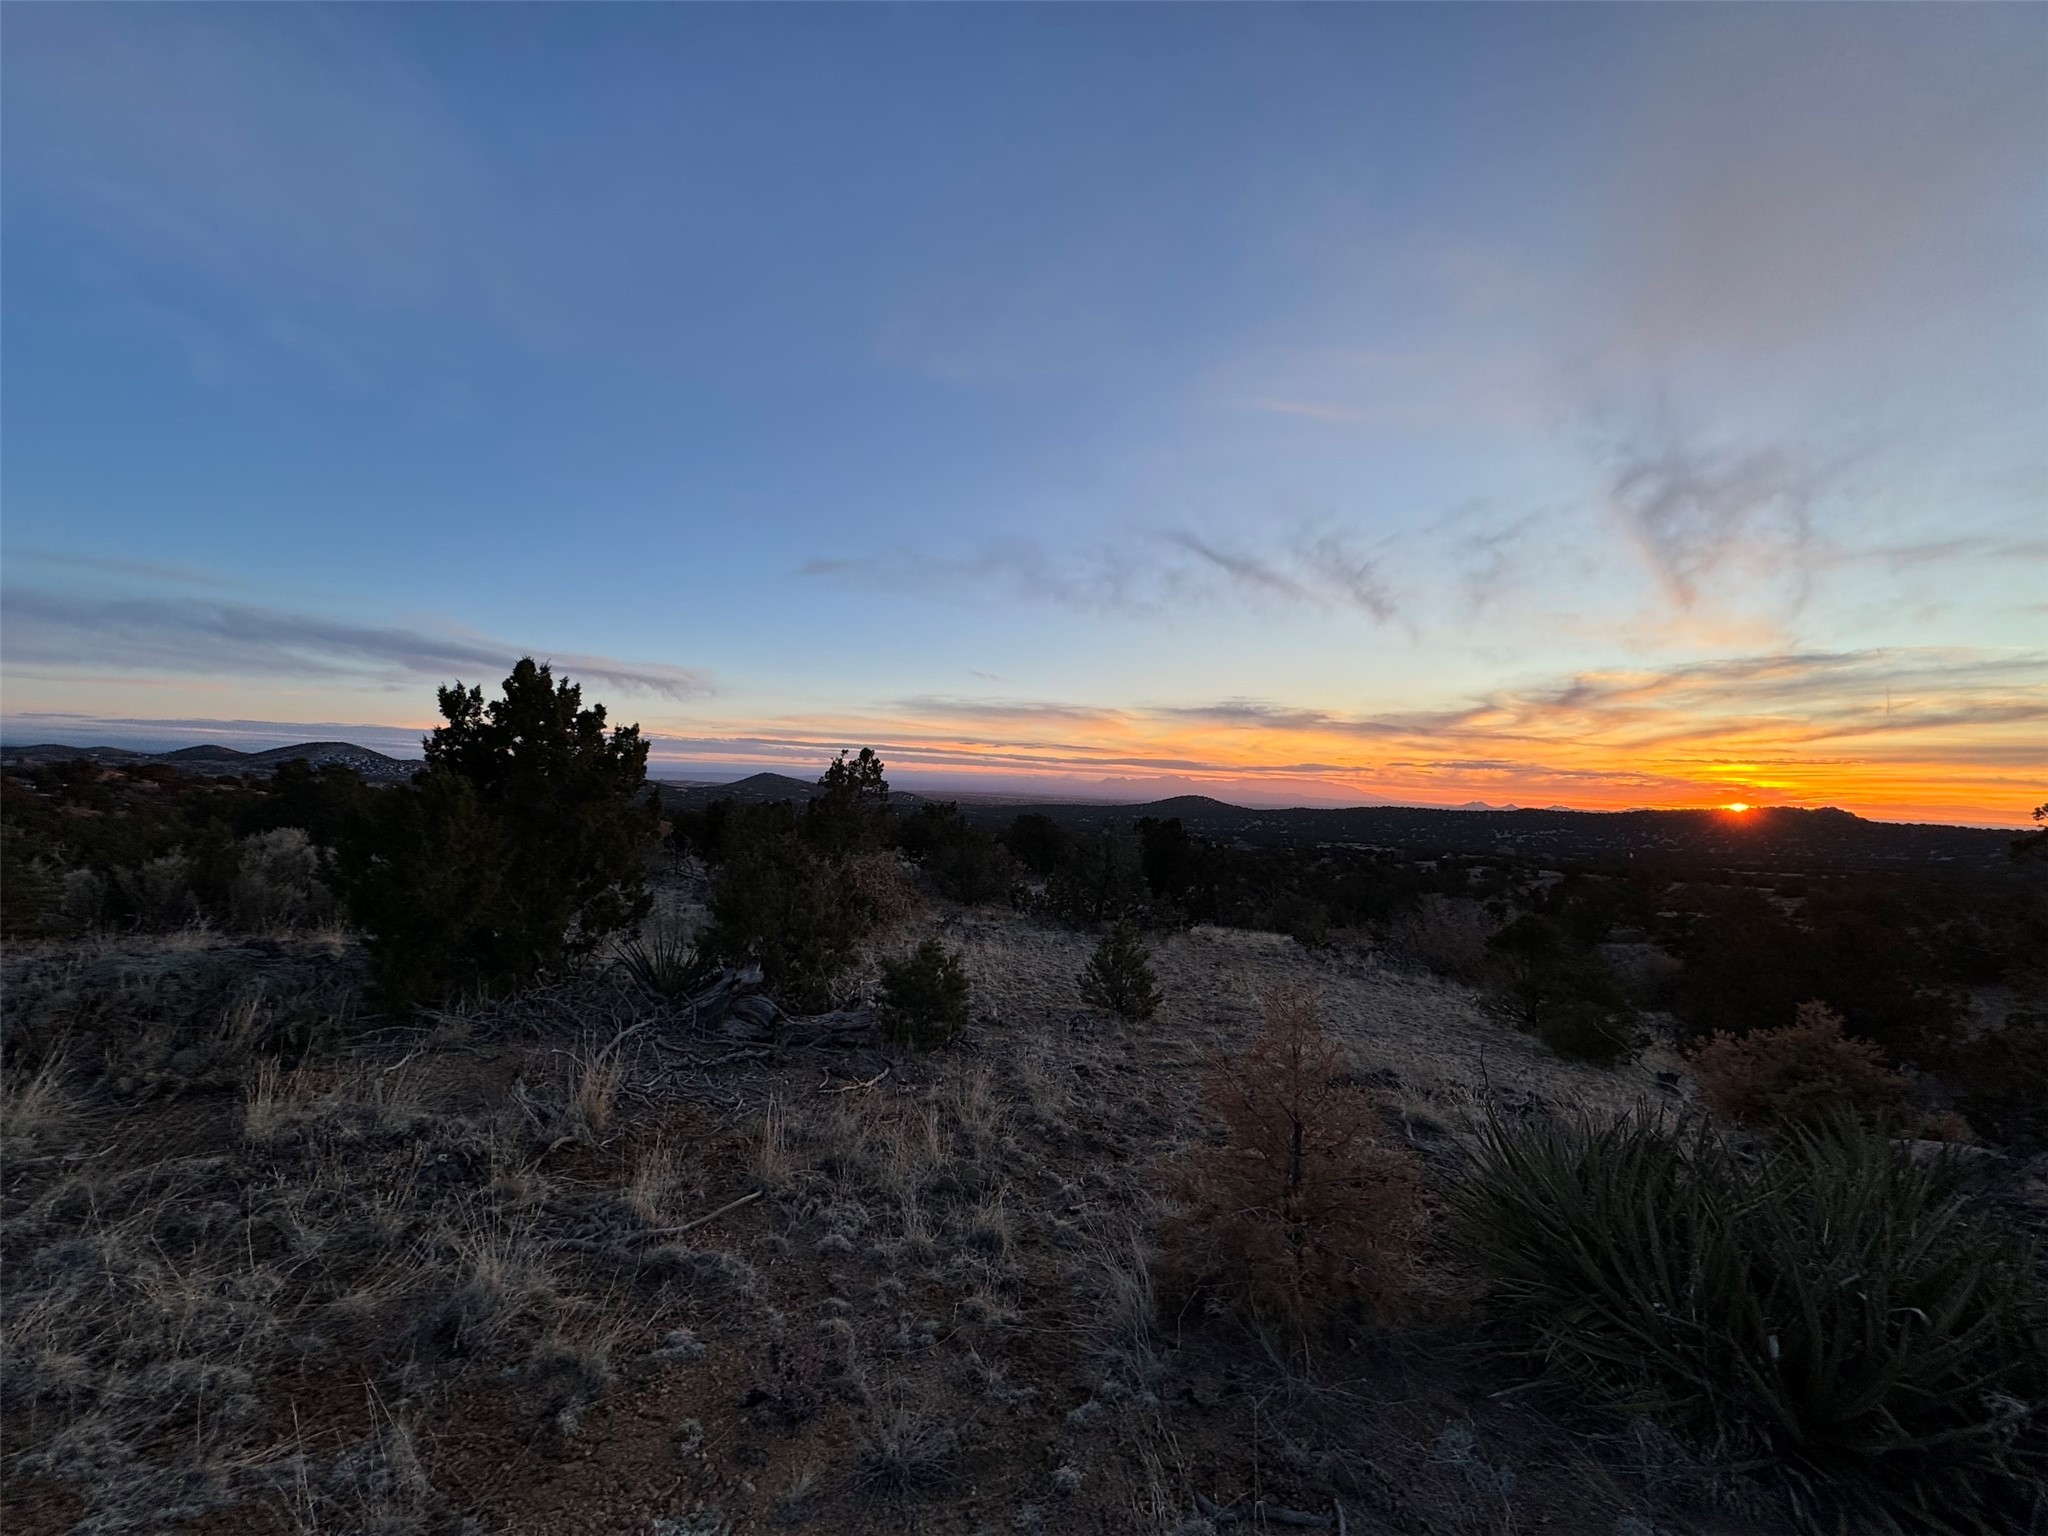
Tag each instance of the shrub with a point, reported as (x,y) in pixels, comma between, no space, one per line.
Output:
(1302,1212)
(1098,881)
(1855,949)
(424,878)
(1447,936)
(1036,841)
(160,890)
(277,880)
(975,870)
(537,807)
(1119,976)
(2001,1077)
(924,997)
(798,915)
(1804,1074)
(1581,1029)
(1567,994)
(84,898)
(1825,1310)
(885,885)
(32,887)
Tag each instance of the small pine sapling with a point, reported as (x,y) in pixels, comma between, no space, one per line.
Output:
(1303,1211)
(924,997)
(1119,976)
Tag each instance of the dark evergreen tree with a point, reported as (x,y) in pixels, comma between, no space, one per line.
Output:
(796,914)
(1036,841)
(547,819)
(925,997)
(1119,976)
(1098,881)
(853,810)
(1167,855)
(424,872)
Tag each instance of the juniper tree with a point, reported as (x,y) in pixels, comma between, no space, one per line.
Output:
(925,996)
(1119,976)
(533,811)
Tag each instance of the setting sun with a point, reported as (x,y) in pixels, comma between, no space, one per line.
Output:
(1739,806)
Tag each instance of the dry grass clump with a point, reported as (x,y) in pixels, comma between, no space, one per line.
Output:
(154,1302)
(906,1452)
(1302,1212)
(34,1106)
(573,1101)
(1807,1073)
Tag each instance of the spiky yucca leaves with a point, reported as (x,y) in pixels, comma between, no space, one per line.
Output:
(666,965)
(1303,1212)
(1824,1311)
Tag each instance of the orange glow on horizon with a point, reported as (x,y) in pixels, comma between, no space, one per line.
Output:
(1769,732)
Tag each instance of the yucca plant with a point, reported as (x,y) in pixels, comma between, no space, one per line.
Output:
(1824,1312)
(666,965)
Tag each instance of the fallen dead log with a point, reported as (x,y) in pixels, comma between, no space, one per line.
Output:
(843,1027)
(733,1008)
(1259,1512)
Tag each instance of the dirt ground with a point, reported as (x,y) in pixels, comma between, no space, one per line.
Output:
(555,1266)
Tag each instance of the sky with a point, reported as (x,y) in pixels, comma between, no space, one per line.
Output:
(1588,406)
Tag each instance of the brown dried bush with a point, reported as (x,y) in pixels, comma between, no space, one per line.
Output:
(1807,1073)
(1447,936)
(888,884)
(1303,1212)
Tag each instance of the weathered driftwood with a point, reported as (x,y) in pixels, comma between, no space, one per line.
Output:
(734,1008)
(1261,1513)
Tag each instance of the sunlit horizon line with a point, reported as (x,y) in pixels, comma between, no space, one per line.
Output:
(1923,781)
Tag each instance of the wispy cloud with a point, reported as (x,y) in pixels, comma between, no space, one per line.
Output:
(46,632)
(114,565)
(1145,575)
(1696,513)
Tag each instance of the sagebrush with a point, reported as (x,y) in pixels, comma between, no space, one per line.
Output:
(1807,1073)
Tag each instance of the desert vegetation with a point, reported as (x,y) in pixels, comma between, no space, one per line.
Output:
(528,1148)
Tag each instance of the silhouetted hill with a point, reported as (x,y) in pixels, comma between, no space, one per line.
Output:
(215,761)
(1188,806)
(1781,838)
(197,754)
(761,788)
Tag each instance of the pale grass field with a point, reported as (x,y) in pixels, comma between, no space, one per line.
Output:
(430,1277)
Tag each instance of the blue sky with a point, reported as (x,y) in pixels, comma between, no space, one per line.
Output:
(1309,403)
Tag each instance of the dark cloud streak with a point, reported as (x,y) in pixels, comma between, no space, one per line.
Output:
(65,632)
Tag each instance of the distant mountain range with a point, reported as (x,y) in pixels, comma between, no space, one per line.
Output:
(220,762)
(1784,838)
(1780,838)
